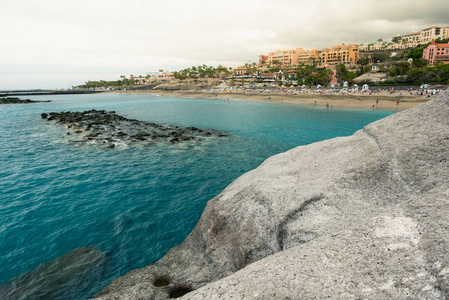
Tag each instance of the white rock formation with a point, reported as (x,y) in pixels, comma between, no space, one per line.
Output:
(359,217)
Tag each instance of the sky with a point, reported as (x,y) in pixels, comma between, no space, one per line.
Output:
(58,43)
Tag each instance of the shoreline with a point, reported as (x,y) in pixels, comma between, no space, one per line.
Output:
(355,101)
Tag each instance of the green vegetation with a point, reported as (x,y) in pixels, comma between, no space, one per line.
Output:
(363,61)
(311,75)
(381,56)
(417,72)
(442,41)
(399,68)
(438,74)
(201,72)
(122,83)
(343,74)
(415,53)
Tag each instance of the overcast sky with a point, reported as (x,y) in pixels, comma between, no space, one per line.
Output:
(59,43)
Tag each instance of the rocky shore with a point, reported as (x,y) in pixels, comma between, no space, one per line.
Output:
(107,129)
(13,100)
(359,217)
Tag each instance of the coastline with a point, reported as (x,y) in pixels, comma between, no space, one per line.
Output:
(355,101)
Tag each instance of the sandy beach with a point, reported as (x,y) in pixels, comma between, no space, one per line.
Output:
(359,100)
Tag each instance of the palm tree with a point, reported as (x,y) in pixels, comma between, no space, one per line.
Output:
(380,41)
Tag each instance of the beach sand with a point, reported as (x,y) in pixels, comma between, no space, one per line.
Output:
(356,100)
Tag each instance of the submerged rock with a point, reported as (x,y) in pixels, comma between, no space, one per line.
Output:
(359,217)
(58,278)
(106,129)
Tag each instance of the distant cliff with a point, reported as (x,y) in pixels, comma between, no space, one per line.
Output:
(359,217)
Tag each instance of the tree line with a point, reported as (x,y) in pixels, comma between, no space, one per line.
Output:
(202,72)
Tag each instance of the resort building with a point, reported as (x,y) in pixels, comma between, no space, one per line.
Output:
(165,77)
(263,60)
(282,57)
(292,57)
(415,38)
(410,40)
(436,52)
(340,54)
(433,33)
(405,41)
(152,77)
(307,57)
(242,70)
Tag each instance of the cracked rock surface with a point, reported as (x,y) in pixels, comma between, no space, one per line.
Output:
(359,217)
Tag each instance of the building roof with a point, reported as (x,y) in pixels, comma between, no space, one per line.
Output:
(435,26)
(439,45)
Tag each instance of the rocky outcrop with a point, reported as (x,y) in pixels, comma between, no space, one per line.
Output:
(370,77)
(58,278)
(107,129)
(359,217)
(13,100)
(188,84)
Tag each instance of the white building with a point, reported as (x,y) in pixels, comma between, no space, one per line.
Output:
(434,32)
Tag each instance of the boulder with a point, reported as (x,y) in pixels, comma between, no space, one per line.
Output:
(358,217)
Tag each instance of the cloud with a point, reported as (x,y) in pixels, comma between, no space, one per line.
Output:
(142,36)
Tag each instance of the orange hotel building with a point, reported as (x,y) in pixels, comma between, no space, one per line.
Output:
(346,54)
(340,54)
(292,57)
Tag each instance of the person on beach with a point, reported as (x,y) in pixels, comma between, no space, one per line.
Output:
(377,101)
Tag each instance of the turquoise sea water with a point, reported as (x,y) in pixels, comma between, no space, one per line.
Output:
(133,203)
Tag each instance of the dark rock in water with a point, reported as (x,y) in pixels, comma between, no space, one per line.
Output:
(107,129)
(58,278)
(357,217)
(13,100)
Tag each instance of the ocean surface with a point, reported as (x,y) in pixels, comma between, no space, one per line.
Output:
(133,203)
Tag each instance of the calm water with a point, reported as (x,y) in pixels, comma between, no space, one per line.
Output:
(134,203)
